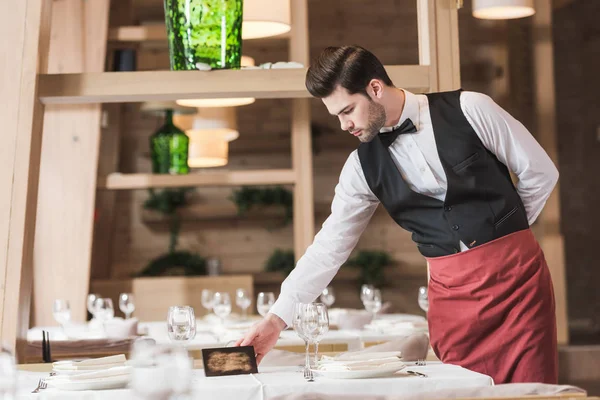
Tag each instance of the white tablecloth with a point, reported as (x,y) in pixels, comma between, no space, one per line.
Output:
(276,381)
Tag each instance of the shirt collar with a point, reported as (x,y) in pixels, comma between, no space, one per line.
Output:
(410,110)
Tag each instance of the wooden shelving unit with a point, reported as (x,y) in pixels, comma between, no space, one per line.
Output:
(151,33)
(118,181)
(120,87)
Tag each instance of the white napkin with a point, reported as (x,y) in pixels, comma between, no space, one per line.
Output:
(362,365)
(350,356)
(100,374)
(91,364)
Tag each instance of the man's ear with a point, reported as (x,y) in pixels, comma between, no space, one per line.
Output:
(375,89)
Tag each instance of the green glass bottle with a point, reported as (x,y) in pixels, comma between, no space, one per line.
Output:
(169,148)
(204,32)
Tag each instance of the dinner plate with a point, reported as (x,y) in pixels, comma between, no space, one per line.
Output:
(113,382)
(360,374)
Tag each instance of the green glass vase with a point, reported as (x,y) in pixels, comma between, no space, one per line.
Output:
(204,32)
(169,148)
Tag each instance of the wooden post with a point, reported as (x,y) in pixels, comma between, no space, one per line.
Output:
(67,184)
(304,222)
(551,238)
(24,57)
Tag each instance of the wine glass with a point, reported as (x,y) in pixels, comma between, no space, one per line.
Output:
(126,304)
(372,301)
(328,296)
(104,309)
(423,298)
(91,298)
(181,323)
(222,305)
(264,302)
(365,291)
(305,323)
(243,301)
(62,312)
(207,299)
(322,327)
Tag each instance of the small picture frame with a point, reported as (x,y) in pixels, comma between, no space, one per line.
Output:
(222,361)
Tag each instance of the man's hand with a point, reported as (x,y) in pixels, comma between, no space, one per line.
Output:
(263,335)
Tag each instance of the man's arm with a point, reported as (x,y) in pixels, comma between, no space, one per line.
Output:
(352,207)
(515,147)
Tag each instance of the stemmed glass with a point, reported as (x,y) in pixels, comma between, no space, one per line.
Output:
(328,296)
(423,298)
(61,310)
(365,291)
(181,323)
(104,309)
(90,304)
(243,301)
(322,327)
(372,301)
(305,321)
(222,305)
(126,304)
(207,299)
(264,302)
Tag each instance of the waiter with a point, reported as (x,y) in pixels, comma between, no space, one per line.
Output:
(439,163)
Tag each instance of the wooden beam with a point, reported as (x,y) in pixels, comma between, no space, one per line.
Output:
(302,163)
(116,87)
(221,178)
(444,20)
(27,23)
(67,183)
(552,240)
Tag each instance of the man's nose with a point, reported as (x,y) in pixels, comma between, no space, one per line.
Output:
(345,124)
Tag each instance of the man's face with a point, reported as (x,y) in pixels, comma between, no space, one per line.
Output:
(358,114)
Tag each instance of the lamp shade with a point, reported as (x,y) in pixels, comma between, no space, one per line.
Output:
(225,102)
(264,18)
(502,9)
(210,132)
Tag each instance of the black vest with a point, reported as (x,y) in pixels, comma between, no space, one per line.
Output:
(481,202)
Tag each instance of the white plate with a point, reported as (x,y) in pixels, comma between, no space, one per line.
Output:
(360,374)
(114,382)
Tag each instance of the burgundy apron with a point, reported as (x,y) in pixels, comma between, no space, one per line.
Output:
(491,310)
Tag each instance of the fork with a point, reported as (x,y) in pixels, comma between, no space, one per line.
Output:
(419,374)
(421,362)
(308,375)
(41,385)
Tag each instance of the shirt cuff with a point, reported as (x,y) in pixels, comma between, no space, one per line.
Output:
(284,309)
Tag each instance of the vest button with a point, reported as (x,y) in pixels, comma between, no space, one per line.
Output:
(455,227)
(448,208)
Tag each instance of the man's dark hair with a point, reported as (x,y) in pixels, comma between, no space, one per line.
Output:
(352,67)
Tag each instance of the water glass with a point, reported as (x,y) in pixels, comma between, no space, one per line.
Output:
(126,304)
(365,291)
(104,309)
(423,298)
(243,301)
(160,371)
(207,299)
(222,305)
(372,301)
(61,311)
(264,302)
(181,323)
(328,296)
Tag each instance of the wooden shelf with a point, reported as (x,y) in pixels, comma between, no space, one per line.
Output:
(155,33)
(120,181)
(119,87)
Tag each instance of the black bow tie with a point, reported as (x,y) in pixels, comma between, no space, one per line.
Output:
(387,138)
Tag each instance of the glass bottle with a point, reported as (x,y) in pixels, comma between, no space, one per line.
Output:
(169,148)
(204,33)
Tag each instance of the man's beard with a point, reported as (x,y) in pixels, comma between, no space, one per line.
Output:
(377,120)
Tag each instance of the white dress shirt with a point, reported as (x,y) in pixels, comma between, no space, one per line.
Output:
(417,159)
